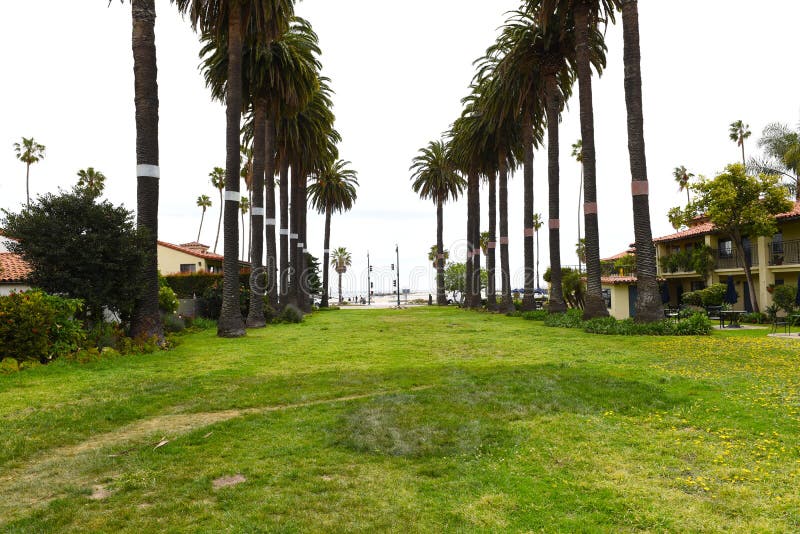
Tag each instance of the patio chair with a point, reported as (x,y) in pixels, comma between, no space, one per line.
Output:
(714,314)
(780,321)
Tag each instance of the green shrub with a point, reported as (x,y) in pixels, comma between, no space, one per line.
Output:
(784,297)
(8,366)
(572,318)
(201,323)
(713,295)
(753,318)
(536,315)
(38,326)
(290,314)
(696,325)
(173,323)
(167,300)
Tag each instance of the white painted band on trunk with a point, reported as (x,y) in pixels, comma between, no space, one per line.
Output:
(528,232)
(299,245)
(258,212)
(305,251)
(590,208)
(554,224)
(270,222)
(151,171)
(504,241)
(232,196)
(327,251)
(491,244)
(294,236)
(440,256)
(284,231)
(640,187)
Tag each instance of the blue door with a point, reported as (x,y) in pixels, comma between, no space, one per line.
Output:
(748,306)
(632,301)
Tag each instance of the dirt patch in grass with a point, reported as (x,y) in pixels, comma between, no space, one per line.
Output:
(225,482)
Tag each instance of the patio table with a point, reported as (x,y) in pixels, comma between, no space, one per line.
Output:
(732,316)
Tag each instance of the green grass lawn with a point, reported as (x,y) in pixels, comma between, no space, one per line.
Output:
(417,420)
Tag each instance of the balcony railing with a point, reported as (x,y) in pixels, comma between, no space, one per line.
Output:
(785,253)
(731,260)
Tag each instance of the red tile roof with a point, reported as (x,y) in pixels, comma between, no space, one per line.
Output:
(13,269)
(706,227)
(620,255)
(611,280)
(191,252)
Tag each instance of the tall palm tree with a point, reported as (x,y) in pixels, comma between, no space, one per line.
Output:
(738,131)
(434,176)
(538,222)
(244,208)
(218,181)
(577,153)
(257,21)
(683,177)
(781,146)
(590,49)
(648,296)
(340,261)
(29,152)
(333,190)
(91,181)
(146,321)
(204,202)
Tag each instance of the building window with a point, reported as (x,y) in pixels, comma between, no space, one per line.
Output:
(188,268)
(697,285)
(607,297)
(777,243)
(725,248)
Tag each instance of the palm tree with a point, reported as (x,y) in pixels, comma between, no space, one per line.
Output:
(738,131)
(244,208)
(204,202)
(218,181)
(538,222)
(577,153)
(333,190)
(91,181)
(648,296)
(781,147)
(146,321)
(682,177)
(234,20)
(29,152)
(434,176)
(340,260)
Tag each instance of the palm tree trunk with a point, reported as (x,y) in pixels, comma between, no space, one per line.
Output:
(648,297)
(341,299)
(146,321)
(475,239)
(219,221)
(230,322)
(201,224)
(580,212)
(595,305)
(271,262)
(528,302)
(491,296)
(285,238)
(326,254)
(243,236)
(305,290)
(505,269)
(556,302)
(441,298)
(28,165)
(250,228)
(748,273)
(294,221)
(255,315)
(469,279)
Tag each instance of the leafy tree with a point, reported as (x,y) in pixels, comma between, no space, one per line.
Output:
(92,182)
(580,250)
(455,280)
(81,248)
(202,202)
(738,132)
(312,279)
(740,206)
(434,176)
(29,152)
(572,286)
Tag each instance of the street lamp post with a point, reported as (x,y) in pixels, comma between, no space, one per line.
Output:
(397,251)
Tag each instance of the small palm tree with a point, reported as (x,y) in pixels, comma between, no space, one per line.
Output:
(433,254)
(738,132)
(538,222)
(682,177)
(29,152)
(218,181)
(244,208)
(341,260)
(91,182)
(204,202)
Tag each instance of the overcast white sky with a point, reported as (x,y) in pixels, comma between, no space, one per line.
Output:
(399,74)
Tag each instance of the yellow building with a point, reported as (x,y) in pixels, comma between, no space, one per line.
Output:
(187,258)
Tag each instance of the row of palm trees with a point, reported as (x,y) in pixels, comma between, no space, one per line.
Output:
(517,96)
(262,61)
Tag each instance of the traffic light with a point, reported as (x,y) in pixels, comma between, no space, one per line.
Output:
(370,268)
(393,266)
(371,285)
(394,283)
